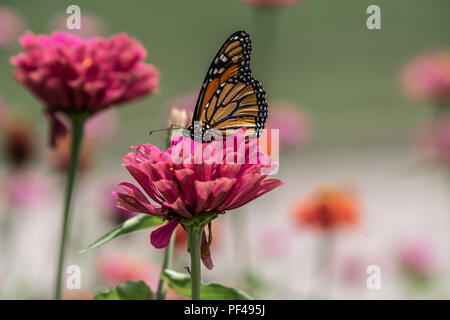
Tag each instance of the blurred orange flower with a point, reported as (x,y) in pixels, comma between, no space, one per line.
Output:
(328,209)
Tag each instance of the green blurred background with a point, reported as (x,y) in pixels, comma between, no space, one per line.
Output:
(343,75)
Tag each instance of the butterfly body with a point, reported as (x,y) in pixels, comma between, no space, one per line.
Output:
(230,98)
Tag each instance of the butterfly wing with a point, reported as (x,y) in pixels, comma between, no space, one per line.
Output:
(228,81)
(239,102)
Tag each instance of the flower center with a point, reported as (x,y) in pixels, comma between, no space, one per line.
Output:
(87,62)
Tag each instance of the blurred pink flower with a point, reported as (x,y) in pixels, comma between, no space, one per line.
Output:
(275,241)
(103,126)
(91,25)
(271,3)
(116,268)
(353,270)
(183,189)
(428,77)
(73,75)
(416,257)
(434,140)
(11,26)
(295,129)
(27,189)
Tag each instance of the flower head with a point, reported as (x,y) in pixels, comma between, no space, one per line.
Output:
(27,189)
(327,210)
(416,258)
(74,75)
(428,77)
(294,128)
(179,185)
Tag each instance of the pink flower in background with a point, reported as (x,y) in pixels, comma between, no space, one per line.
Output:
(73,75)
(271,3)
(183,190)
(91,25)
(117,268)
(428,77)
(416,257)
(275,241)
(11,26)
(353,270)
(294,128)
(103,126)
(434,140)
(27,189)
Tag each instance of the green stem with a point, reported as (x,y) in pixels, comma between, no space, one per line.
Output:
(195,238)
(77,122)
(162,286)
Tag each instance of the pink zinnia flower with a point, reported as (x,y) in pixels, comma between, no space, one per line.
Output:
(417,257)
(271,3)
(428,77)
(179,187)
(73,75)
(27,189)
(117,268)
(11,26)
(294,127)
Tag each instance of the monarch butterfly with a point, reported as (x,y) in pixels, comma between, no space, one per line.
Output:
(230,98)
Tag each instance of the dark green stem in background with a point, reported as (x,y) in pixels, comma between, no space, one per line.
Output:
(195,238)
(77,121)
(162,286)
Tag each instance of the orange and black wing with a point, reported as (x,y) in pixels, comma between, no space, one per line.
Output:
(232,59)
(240,102)
(230,98)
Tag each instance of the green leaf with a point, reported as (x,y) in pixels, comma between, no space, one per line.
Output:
(181,284)
(130,290)
(140,222)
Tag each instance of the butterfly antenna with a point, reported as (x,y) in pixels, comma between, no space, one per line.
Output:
(172,126)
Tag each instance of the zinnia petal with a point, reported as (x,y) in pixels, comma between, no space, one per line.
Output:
(160,237)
